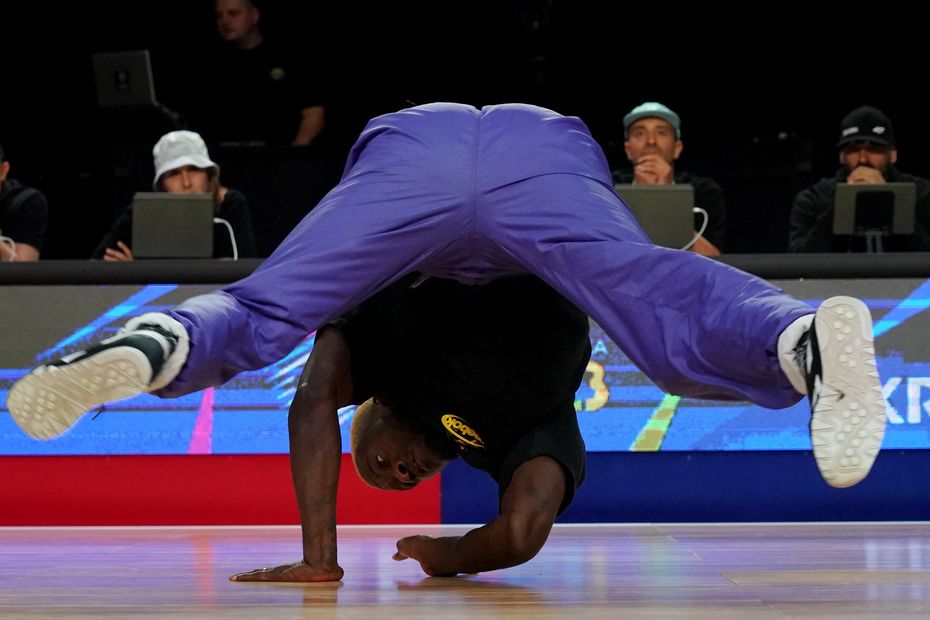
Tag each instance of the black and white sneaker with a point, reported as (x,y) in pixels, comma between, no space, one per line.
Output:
(847,406)
(50,399)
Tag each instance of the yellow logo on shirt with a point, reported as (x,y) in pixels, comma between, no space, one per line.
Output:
(463,434)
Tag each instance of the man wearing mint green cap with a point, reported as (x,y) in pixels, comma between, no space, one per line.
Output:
(652,141)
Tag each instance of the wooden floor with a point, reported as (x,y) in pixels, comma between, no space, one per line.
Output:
(699,571)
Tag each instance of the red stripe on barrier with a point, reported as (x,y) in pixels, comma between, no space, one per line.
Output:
(187,490)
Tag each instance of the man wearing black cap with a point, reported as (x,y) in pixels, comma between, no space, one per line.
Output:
(868,154)
(652,141)
(23,218)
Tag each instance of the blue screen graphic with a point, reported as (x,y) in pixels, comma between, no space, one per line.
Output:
(619,409)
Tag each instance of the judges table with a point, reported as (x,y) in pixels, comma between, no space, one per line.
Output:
(208,271)
(219,456)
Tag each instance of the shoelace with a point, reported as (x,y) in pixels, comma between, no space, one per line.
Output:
(800,352)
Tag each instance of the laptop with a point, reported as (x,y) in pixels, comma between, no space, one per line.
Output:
(172,225)
(666,212)
(888,208)
(124,79)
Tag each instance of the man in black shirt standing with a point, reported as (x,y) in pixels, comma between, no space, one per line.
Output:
(255,90)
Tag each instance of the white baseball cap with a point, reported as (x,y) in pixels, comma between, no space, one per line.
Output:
(180,148)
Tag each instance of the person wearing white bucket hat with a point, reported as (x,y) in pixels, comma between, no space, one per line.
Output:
(183,151)
(183,166)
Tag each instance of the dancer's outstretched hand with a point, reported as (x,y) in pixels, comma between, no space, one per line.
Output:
(296,572)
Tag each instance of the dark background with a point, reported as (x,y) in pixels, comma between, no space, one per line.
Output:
(760,91)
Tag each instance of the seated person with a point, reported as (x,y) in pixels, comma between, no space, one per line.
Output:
(183,165)
(23,218)
(867,154)
(653,143)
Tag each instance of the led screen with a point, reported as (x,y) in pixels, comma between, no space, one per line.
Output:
(618,408)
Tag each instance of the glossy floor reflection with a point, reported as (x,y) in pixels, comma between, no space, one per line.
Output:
(720,571)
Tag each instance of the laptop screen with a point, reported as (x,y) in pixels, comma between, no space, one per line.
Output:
(665,212)
(888,208)
(124,79)
(172,225)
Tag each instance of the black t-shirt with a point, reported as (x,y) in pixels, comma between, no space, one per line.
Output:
(490,371)
(23,213)
(234,209)
(255,95)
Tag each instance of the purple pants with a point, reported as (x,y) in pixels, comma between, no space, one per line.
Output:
(470,194)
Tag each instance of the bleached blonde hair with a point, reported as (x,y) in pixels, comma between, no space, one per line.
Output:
(364,418)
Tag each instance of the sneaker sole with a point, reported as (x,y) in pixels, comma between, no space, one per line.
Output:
(49,400)
(848,421)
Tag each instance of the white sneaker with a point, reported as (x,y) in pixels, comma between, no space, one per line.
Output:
(847,406)
(50,399)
